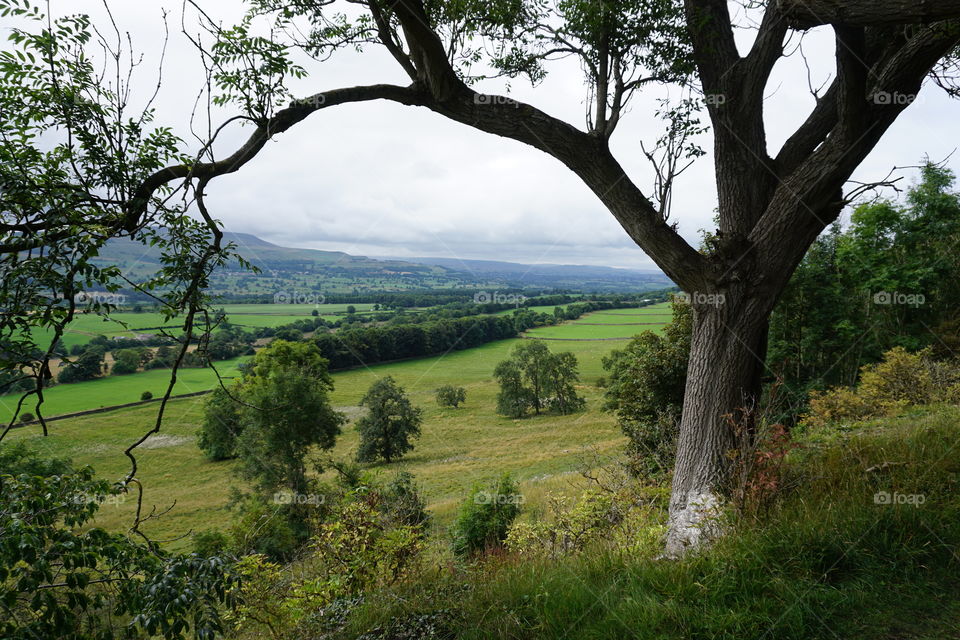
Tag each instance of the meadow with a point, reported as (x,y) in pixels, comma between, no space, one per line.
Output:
(128,324)
(458,447)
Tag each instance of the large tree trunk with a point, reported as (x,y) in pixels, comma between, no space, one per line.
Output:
(723,388)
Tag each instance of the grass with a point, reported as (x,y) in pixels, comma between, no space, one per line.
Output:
(580,331)
(827,561)
(114,390)
(458,447)
(127,323)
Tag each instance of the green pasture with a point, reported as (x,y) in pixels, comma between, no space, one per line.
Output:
(458,447)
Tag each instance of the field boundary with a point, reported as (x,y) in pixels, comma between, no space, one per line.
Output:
(126,405)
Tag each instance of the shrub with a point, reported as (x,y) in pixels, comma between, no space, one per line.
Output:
(146,395)
(900,380)
(26,417)
(485,517)
(210,543)
(451,396)
(403,501)
(571,527)
(355,549)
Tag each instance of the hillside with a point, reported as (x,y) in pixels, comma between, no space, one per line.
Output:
(554,275)
(312,270)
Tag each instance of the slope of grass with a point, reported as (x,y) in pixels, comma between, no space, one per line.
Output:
(828,561)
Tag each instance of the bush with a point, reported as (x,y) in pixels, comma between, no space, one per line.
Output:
(404,503)
(146,395)
(26,417)
(355,549)
(210,543)
(451,396)
(572,526)
(485,517)
(900,380)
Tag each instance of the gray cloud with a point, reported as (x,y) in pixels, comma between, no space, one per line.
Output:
(382,179)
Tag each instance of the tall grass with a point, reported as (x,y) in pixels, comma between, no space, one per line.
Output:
(827,561)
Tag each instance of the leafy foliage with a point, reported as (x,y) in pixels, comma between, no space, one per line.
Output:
(392,422)
(884,282)
(534,378)
(485,517)
(451,396)
(645,387)
(61,578)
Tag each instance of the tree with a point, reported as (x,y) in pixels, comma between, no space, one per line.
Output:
(562,375)
(772,206)
(533,377)
(222,424)
(87,367)
(391,423)
(127,361)
(286,413)
(514,397)
(451,396)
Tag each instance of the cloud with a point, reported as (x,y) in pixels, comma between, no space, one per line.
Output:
(383,179)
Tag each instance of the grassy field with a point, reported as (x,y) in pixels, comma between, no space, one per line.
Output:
(114,390)
(127,323)
(458,447)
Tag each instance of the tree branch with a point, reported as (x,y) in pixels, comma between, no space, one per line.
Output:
(805,14)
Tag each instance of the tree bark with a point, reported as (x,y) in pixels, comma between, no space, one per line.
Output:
(804,14)
(723,388)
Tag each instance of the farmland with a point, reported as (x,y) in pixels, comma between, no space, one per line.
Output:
(458,447)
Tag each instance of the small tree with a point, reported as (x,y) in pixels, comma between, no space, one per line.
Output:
(645,391)
(287,412)
(451,396)
(146,395)
(485,517)
(386,431)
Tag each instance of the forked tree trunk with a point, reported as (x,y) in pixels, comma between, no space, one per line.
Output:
(723,385)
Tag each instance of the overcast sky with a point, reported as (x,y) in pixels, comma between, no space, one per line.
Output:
(381,179)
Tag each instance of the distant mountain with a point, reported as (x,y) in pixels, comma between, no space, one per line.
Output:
(311,270)
(552,274)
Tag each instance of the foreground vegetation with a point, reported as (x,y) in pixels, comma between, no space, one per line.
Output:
(828,546)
